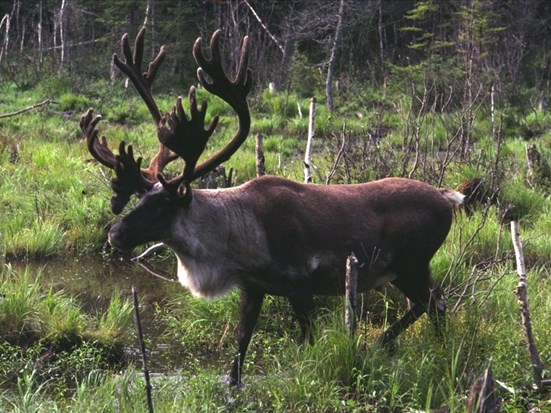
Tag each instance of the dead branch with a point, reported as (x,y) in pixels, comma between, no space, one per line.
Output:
(142,348)
(522,296)
(337,160)
(18,112)
(482,398)
(311,132)
(351,285)
(276,42)
(260,161)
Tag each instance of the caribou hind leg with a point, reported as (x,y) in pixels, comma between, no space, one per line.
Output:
(419,288)
(251,303)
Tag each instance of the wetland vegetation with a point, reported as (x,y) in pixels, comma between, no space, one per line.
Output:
(67,336)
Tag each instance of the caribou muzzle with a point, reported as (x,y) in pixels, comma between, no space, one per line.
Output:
(120,238)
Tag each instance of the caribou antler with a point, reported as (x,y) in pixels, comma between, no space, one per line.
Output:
(187,136)
(233,92)
(99,150)
(132,67)
(130,177)
(178,134)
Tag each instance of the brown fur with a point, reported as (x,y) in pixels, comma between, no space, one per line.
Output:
(275,236)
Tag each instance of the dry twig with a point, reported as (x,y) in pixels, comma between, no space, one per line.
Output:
(18,112)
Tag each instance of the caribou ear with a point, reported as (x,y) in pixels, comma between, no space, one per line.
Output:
(184,193)
(181,190)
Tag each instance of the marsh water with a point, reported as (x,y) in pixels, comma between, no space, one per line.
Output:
(93,280)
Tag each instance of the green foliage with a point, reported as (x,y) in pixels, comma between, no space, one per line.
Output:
(522,203)
(70,101)
(283,104)
(306,80)
(270,125)
(50,199)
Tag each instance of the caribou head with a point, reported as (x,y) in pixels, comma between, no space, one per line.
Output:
(179,135)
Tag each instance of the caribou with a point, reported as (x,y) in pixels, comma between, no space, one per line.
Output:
(269,235)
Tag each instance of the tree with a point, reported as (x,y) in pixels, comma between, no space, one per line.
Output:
(333,57)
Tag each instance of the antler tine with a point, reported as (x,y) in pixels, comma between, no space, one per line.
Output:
(185,135)
(132,67)
(129,178)
(221,86)
(99,150)
(233,92)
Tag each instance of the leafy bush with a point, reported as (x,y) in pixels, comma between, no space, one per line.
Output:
(70,101)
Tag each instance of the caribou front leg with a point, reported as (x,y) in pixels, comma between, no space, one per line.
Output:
(303,304)
(251,303)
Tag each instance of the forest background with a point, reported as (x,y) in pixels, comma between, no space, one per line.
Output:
(460,48)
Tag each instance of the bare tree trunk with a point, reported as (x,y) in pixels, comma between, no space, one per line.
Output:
(333,58)
(467,116)
(492,110)
(39,34)
(63,32)
(21,27)
(311,132)
(284,75)
(6,42)
(259,150)
(380,30)
(15,16)
(54,36)
(146,14)
(151,4)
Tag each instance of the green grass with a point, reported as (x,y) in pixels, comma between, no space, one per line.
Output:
(335,373)
(29,314)
(55,202)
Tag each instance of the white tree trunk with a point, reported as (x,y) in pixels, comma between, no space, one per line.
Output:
(351,287)
(333,58)
(311,132)
(6,42)
(39,32)
(522,297)
(259,150)
(63,32)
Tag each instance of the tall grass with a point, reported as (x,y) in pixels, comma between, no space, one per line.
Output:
(336,372)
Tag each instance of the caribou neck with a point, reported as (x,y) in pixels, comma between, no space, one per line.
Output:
(217,240)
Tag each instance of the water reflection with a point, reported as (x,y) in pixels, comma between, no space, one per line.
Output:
(93,279)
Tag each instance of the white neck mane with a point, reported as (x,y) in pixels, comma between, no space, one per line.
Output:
(214,245)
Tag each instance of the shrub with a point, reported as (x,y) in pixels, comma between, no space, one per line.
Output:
(71,102)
